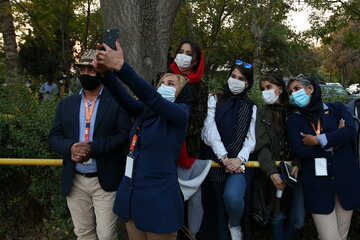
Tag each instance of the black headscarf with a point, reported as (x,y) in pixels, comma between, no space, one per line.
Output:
(314,110)
(185,95)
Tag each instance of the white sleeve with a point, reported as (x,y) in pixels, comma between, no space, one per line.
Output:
(210,134)
(250,140)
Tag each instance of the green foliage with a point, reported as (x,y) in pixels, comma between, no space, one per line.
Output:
(337,23)
(29,194)
(226,34)
(53,29)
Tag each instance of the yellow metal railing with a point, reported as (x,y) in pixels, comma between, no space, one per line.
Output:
(252,164)
(30,161)
(58,162)
(7,116)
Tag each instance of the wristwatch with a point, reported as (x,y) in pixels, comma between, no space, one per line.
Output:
(242,160)
(221,159)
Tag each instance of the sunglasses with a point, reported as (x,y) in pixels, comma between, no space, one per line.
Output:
(246,65)
(299,77)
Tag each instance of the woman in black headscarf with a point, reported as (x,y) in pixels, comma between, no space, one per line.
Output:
(229,131)
(321,135)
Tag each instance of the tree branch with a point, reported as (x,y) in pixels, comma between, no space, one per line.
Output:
(44,34)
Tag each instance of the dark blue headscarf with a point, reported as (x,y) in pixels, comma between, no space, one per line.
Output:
(315,109)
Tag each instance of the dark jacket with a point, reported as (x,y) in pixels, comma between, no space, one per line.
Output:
(152,197)
(197,117)
(343,174)
(110,137)
(271,146)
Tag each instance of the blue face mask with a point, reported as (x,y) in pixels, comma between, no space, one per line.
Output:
(299,98)
(167,92)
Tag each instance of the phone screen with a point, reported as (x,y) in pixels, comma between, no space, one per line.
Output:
(110,37)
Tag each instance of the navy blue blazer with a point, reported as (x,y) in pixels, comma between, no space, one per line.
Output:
(152,197)
(110,139)
(343,173)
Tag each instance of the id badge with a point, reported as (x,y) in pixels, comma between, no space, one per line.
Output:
(90,161)
(321,167)
(129,166)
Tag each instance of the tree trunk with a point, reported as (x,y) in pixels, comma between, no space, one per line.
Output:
(145,28)
(10,46)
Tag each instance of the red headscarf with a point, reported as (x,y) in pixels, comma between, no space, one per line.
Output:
(192,76)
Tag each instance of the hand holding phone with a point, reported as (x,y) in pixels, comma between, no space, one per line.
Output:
(108,59)
(110,37)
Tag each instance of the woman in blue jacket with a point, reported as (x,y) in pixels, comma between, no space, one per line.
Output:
(149,198)
(321,136)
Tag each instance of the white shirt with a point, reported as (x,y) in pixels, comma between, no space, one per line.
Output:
(210,134)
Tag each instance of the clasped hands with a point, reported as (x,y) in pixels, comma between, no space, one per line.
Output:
(233,165)
(80,152)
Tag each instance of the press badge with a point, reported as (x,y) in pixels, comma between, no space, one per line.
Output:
(129,166)
(321,167)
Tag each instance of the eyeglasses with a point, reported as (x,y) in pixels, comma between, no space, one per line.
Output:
(246,65)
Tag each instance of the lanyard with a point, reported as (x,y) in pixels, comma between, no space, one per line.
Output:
(317,131)
(88,113)
(134,140)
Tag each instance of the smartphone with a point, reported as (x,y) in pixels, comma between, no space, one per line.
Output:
(110,37)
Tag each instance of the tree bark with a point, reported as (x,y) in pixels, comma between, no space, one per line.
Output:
(10,46)
(145,28)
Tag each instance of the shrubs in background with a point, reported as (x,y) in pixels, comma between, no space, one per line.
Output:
(29,195)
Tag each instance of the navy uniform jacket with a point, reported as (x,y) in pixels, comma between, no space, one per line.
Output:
(343,178)
(152,197)
(110,137)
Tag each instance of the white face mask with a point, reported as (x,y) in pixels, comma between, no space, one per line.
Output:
(183,61)
(167,92)
(269,96)
(236,86)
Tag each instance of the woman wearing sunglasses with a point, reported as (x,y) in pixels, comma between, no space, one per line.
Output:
(321,135)
(271,146)
(229,133)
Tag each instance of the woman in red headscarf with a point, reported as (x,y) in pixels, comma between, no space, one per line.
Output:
(189,62)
